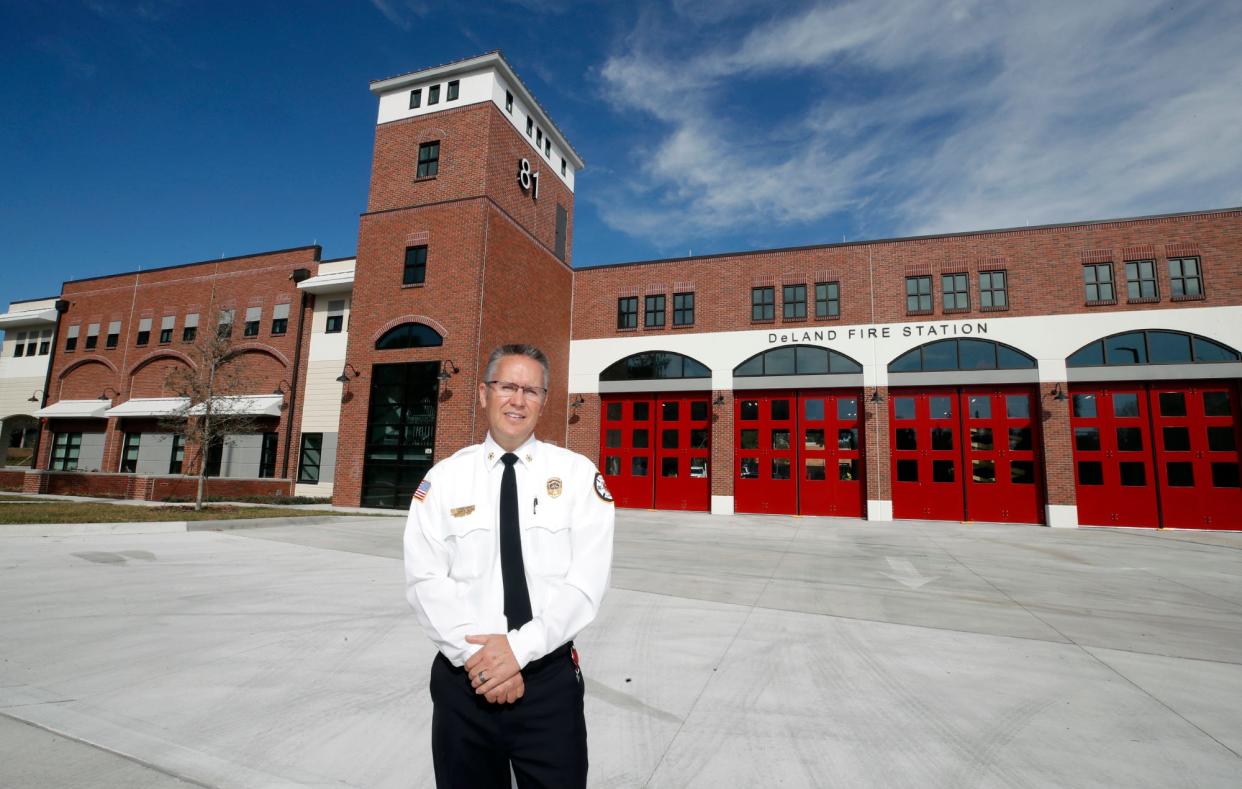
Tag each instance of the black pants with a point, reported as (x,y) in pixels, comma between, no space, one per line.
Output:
(543,733)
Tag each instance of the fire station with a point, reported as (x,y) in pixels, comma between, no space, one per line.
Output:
(1079,374)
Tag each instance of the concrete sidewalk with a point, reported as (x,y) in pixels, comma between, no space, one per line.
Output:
(732,652)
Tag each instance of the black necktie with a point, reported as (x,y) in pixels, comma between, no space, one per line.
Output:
(517,598)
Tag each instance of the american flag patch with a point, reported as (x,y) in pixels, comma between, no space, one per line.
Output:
(423,489)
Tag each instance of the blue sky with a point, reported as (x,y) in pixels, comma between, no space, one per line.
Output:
(157,132)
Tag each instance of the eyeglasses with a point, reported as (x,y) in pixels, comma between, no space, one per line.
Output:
(510,389)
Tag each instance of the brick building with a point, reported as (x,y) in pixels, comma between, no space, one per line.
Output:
(1084,373)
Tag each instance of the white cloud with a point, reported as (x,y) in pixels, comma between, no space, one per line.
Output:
(930,116)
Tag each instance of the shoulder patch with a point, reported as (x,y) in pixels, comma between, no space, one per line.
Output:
(423,489)
(601,489)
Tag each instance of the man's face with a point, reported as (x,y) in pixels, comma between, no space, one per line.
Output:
(512,419)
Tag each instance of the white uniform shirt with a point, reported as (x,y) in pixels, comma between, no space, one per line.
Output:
(452,548)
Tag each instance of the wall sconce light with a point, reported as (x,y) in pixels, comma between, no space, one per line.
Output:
(1057,394)
(447,370)
(280,388)
(719,400)
(875,398)
(578,401)
(35,395)
(104,394)
(345,377)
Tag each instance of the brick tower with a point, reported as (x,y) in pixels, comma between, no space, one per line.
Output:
(465,244)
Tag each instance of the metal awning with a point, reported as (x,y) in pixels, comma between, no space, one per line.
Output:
(337,281)
(74,409)
(249,405)
(149,406)
(40,317)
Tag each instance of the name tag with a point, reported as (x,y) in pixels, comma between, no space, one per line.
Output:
(461,512)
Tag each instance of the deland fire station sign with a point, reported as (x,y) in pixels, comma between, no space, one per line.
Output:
(881,332)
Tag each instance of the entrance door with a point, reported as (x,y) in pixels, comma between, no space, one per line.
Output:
(969,453)
(1197,454)
(656,449)
(1112,456)
(799,453)
(927,455)
(401,432)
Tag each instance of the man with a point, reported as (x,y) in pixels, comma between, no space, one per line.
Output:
(508,549)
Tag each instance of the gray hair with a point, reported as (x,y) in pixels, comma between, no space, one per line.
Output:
(516,349)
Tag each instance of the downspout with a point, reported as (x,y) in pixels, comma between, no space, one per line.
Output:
(62,307)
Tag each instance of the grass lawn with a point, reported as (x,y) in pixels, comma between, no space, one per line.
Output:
(73,512)
(15,497)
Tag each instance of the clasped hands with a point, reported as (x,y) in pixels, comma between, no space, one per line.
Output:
(493,670)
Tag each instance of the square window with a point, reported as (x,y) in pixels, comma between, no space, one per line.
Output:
(907,471)
(981,438)
(454,88)
(639,438)
(793,302)
(642,412)
(903,407)
(189,333)
(1180,474)
(1022,472)
(847,408)
(813,409)
(780,439)
(780,468)
(280,326)
(250,329)
(698,411)
(612,412)
(940,407)
(668,467)
(433,95)
(612,439)
(847,470)
(1176,439)
(1133,474)
(814,439)
(414,271)
(143,338)
(627,312)
(1225,475)
(1141,280)
(416,98)
(165,336)
(698,438)
(1129,439)
(943,471)
(428,159)
(638,466)
(749,409)
(683,309)
(612,466)
(1087,439)
(669,438)
(905,438)
(1173,404)
(1084,405)
(1017,406)
(670,410)
(993,290)
(748,468)
(816,469)
(1185,278)
(1020,438)
(749,439)
(698,468)
(847,438)
(1090,472)
(979,406)
(763,304)
(780,410)
(1216,404)
(983,471)
(941,438)
(827,300)
(653,311)
(1125,405)
(1098,282)
(918,294)
(1220,439)
(956,292)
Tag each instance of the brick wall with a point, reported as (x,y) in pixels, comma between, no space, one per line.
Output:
(1044,268)
(12,480)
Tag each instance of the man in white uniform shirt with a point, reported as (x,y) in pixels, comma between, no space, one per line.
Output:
(508,549)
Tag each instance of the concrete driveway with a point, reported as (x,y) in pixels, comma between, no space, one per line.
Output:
(732,652)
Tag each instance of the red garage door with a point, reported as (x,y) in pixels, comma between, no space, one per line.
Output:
(969,453)
(1164,454)
(799,453)
(655,450)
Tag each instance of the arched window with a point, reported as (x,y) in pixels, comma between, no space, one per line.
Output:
(1150,347)
(944,355)
(409,335)
(797,360)
(653,365)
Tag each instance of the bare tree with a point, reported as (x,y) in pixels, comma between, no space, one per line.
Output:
(214,409)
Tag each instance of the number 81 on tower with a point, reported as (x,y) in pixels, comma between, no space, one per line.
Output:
(527,180)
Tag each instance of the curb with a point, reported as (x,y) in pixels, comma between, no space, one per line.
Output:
(167,527)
